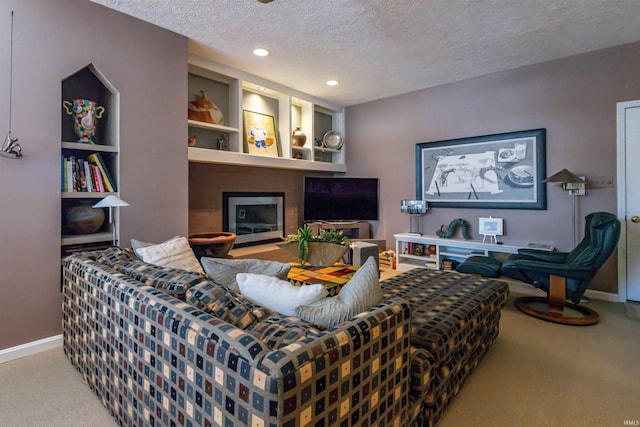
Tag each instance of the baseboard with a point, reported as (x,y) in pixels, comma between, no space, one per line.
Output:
(30,348)
(632,310)
(602,296)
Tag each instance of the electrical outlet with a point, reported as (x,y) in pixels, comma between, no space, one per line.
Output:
(600,182)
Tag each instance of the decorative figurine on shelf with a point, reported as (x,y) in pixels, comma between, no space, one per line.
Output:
(85,115)
(192,141)
(222,143)
(204,110)
(447,234)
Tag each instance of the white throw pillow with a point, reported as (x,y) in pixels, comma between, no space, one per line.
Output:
(278,295)
(359,294)
(174,253)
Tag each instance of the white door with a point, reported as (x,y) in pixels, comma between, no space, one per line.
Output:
(629,197)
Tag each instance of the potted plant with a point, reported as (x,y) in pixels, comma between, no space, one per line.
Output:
(327,248)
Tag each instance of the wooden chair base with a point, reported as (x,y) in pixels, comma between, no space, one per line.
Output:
(556,302)
(590,317)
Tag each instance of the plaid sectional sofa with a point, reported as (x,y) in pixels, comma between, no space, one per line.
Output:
(155,360)
(455,319)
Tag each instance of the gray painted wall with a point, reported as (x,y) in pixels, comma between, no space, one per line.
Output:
(574,99)
(148,65)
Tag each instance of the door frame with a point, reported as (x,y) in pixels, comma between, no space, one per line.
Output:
(621,156)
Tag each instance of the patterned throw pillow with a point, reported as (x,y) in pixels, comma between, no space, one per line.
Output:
(115,254)
(172,281)
(174,253)
(359,294)
(224,304)
(224,271)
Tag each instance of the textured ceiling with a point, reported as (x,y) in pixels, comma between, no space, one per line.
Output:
(381,48)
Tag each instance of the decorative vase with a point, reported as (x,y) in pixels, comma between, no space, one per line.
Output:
(85,115)
(298,137)
(83,219)
(320,253)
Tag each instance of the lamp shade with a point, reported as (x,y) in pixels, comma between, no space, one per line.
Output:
(565,177)
(110,201)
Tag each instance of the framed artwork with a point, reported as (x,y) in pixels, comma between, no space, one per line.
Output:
(491,226)
(260,134)
(501,171)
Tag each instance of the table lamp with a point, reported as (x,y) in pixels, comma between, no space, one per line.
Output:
(111,202)
(415,208)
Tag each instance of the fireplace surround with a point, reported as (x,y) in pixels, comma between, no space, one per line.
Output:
(255,217)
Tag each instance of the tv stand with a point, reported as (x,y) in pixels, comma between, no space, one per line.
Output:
(351,229)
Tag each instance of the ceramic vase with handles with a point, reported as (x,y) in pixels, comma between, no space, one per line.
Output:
(85,115)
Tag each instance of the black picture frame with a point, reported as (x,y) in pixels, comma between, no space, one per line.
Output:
(500,171)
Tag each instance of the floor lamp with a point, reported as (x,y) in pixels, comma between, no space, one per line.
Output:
(111,202)
(574,185)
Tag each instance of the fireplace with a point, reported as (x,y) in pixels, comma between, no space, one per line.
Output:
(255,218)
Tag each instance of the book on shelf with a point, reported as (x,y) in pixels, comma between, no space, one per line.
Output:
(97,178)
(91,175)
(107,179)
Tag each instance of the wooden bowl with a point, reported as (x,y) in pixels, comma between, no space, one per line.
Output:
(215,244)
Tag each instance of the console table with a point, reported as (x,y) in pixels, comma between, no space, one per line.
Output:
(412,251)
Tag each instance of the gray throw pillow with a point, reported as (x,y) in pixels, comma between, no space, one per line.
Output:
(224,271)
(359,294)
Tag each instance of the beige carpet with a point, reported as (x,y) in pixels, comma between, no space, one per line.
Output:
(536,374)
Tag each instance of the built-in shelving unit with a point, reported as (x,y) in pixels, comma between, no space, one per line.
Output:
(412,251)
(87,83)
(233,92)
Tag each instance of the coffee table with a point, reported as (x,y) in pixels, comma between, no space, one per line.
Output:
(333,277)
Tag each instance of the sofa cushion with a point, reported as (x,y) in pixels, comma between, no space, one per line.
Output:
(172,281)
(221,302)
(357,295)
(276,294)
(115,254)
(224,271)
(278,331)
(174,253)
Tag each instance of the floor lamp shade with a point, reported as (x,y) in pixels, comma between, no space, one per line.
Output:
(111,202)
(575,186)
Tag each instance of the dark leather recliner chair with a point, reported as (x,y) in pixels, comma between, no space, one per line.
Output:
(565,275)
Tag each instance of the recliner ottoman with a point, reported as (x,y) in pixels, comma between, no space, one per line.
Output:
(456,318)
(485,266)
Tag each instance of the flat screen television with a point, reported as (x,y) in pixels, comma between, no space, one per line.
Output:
(340,199)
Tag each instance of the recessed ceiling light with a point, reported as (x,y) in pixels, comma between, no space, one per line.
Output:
(261,52)
(332,82)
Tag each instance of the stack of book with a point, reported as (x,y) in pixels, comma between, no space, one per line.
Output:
(90,175)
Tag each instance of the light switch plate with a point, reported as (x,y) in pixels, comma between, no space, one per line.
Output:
(600,181)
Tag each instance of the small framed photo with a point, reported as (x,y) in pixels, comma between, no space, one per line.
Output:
(491,226)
